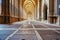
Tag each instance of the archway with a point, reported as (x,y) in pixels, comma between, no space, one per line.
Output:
(45,12)
(29,7)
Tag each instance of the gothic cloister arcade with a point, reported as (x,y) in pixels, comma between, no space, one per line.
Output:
(19,10)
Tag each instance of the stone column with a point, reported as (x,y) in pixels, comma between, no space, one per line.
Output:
(3,7)
(59,20)
(51,7)
(40,7)
(5,10)
(52,17)
(37,10)
(18,10)
(58,10)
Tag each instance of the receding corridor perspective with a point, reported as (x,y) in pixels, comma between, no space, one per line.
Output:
(29,30)
(29,19)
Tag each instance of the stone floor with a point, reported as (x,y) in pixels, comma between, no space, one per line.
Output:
(29,30)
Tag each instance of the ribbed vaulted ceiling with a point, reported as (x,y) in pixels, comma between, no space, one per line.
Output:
(29,6)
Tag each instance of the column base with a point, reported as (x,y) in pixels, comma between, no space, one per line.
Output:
(52,19)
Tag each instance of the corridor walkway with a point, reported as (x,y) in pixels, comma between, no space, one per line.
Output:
(29,30)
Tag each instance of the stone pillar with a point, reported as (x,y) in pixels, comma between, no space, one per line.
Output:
(52,17)
(5,10)
(51,7)
(40,7)
(42,4)
(37,10)
(18,10)
(59,20)
(3,7)
(58,10)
